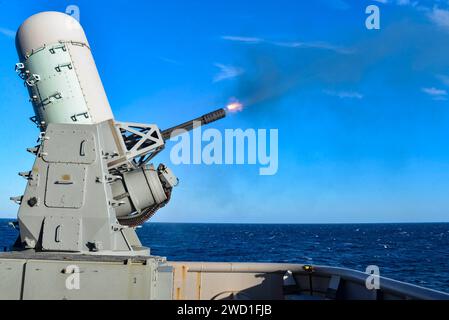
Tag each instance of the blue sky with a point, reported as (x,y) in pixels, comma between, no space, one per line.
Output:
(362,114)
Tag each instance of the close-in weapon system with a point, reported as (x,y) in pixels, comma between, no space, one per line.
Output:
(92,182)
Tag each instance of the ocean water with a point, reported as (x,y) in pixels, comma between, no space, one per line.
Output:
(414,253)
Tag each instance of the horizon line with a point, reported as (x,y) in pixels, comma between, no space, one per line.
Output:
(285,223)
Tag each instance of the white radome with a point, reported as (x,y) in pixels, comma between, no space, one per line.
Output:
(53,49)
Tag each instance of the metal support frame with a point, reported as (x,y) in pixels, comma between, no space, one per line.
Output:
(139,144)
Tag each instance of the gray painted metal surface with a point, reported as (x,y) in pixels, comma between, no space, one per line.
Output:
(58,277)
(29,275)
(256,281)
(67,205)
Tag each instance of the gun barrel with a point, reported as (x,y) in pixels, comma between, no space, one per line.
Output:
(193,124)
